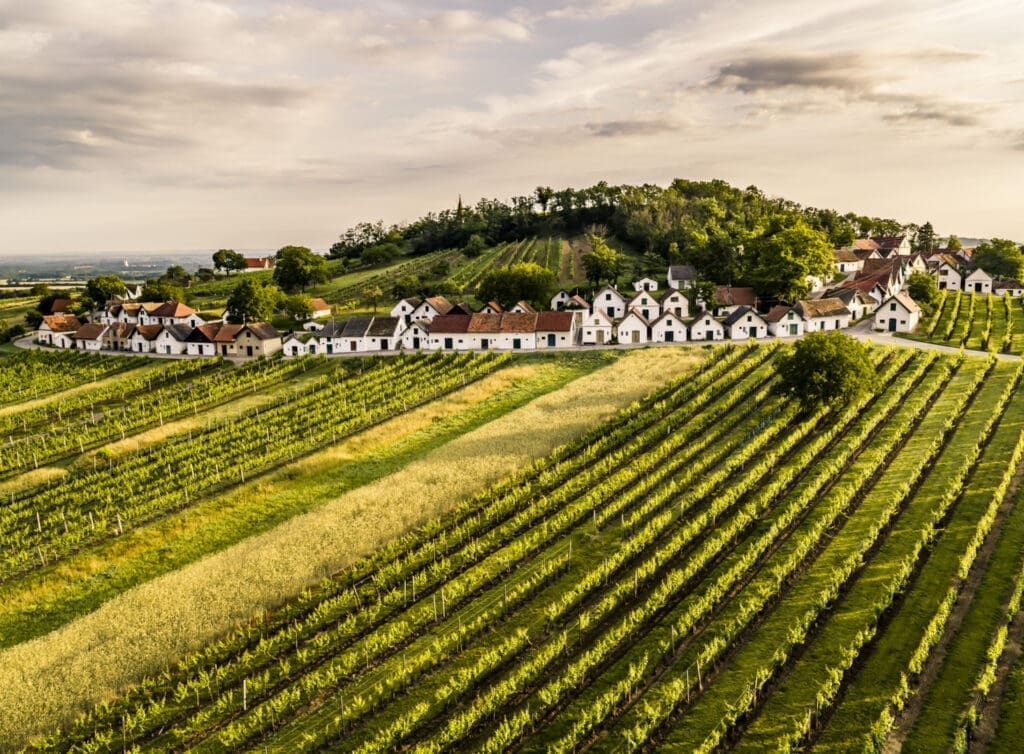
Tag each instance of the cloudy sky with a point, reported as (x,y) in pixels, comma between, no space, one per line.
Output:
(195,124)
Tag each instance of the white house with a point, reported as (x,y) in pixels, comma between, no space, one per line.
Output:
(681,276)
(645,284)
(415,336)
(858,302)
(898,313)
(430,307)
(611,302)
(200,342)
(557,329)
(1013,288)
(382,334)
(58,330)
(169,313)
(847,261)
(823,314)
(730,298)
(89,337)
(320,308)
(404,309)
(492,307)
(634,328)
(668,328)
(646,305)
(143,338)
(784,322)
(978,281)
(297,344)
(172,339)
(706,327)
(743,323)
(522,307)
(948,277)
(559,300)
(596,328)
(675,301)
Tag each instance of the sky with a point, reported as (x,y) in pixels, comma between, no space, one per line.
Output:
(195,124)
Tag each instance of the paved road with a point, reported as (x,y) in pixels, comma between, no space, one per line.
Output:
(862,330)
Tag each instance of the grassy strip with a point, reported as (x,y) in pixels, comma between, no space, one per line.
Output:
(949,318)
(180,611)
(735,689)
(1017,326)
(1010,731)
(998,329)
(981,326)
(784,719)
(882,684)
(943,305)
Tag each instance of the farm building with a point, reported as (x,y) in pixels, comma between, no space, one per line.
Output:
(898,313)
(706,327)
(823,314)
(743,323)
(668,328)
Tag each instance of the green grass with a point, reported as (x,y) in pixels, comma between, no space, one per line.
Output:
(228,518)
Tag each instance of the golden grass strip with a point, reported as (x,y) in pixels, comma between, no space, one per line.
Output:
(46,681)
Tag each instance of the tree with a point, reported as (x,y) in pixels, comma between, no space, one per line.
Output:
(779,260)
(922,288)
(161,290)
(953,243)
(381,253)
(525,281)
(1000,258)
(228,260)
(178,275)
(475,246)
(100,289)
(39,289)
(370,294)
(298,267)
(825,368)
(602,263)
(925,238)
(252,301)
(298,306)
(352,242)
(205,275)
(406,286)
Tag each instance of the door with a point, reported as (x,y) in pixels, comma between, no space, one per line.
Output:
(330,348)
(977,287)
(352,345)
(669,336)
(793,329)
(710,335)
(416,344)
(551,340)
(517,343)
(892,324)
(636,336)
(223,350)
(448,343)
(484,344)
(600,337)
(248,351)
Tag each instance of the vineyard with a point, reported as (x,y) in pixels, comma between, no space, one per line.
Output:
(978,322)
(553,253)
(714,567)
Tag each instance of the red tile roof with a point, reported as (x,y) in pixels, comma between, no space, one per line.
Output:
(726,296)
(554,321)
(450,324)
(62,322)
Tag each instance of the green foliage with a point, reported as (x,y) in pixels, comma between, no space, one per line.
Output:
(161,290)
(925,238)
(475,246)
(922,288)
(297,267)
(205,275)
(826,368)
(953,243)
(406,286)
(380,254)
(252,301)
(102,288)
(780,259)
(39,289)
(298,307)
(352,243)
(1000,258)
(228,260)
(178,275)
(602,263)
(526,281)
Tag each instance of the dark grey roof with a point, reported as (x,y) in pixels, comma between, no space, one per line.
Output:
(383,327)
(356,327)
(738,314)
(682,272)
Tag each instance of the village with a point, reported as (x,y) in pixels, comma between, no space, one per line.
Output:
(870,278)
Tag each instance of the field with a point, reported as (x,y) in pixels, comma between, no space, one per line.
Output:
(598,552)
(977,322)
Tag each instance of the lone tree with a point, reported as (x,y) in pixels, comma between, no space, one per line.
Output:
(252,301)
(602,263)
(228,260)
(298,267)
(99,290)
(825,368)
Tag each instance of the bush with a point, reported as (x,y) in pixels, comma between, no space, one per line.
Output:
(826,368)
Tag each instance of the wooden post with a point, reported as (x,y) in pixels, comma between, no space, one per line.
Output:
(245,689)
(434,597)
(39,523)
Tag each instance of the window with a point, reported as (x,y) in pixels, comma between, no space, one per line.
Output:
(892,307)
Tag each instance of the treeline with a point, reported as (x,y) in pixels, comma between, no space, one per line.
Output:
(708,224)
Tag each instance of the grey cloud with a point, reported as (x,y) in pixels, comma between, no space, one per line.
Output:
(932,113)
(770,72)
(617,128)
